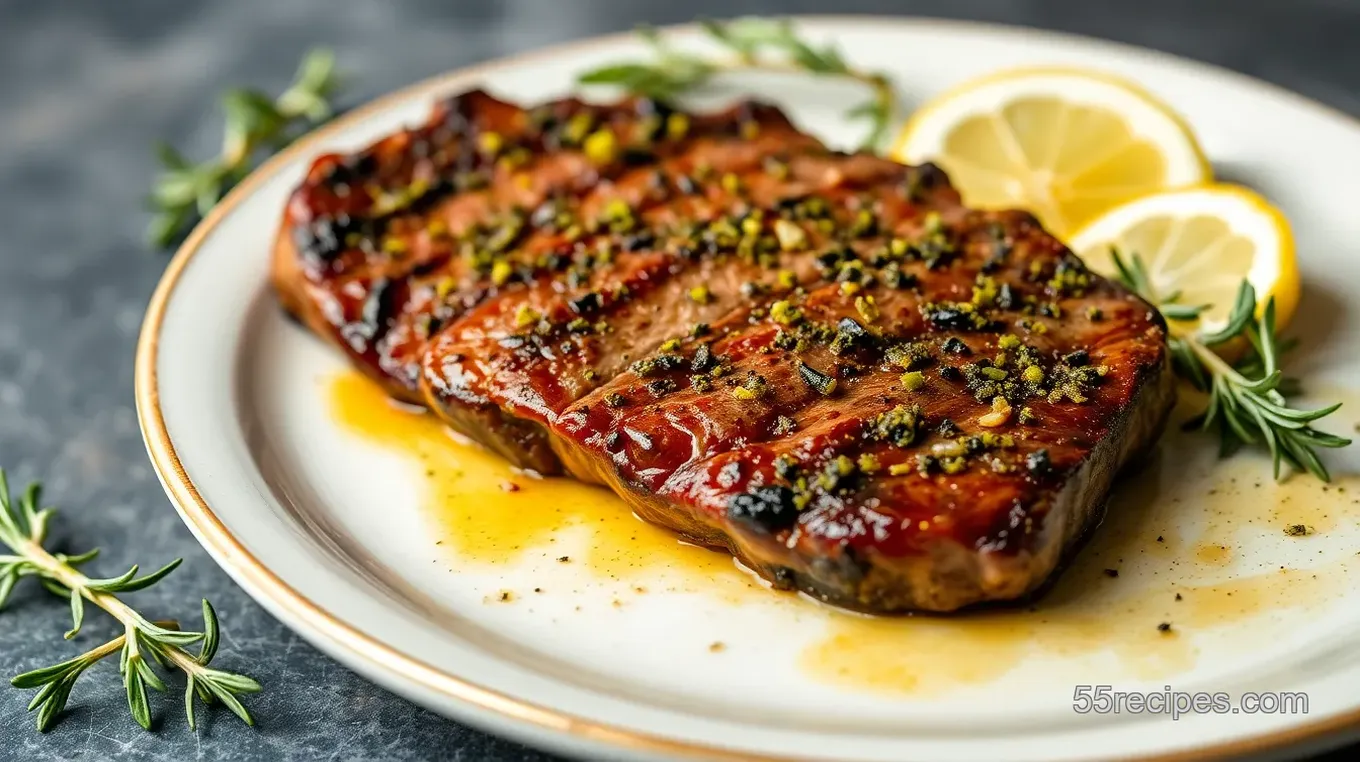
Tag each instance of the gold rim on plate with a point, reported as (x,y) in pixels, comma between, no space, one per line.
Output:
(379,656)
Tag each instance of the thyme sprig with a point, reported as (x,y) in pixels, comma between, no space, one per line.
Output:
(255,124)
(1247,398)
(144,644)
(752,43)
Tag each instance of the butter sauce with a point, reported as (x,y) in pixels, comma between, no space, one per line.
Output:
(488,512)
(1190,543)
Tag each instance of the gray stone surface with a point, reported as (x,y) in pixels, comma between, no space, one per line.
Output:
(84,89)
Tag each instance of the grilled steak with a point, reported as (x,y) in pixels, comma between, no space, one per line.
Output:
(821,362)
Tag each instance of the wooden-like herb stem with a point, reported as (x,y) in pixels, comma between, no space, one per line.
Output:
(185,191)
(753,44)
(1246,399)
(883,96)
(23,530)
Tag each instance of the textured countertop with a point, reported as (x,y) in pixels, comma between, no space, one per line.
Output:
(87,85)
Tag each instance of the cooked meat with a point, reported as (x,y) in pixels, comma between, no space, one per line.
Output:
(823,363)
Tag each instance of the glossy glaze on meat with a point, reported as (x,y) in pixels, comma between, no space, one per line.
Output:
(818,361)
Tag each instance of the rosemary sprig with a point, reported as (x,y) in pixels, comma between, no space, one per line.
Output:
(1247,398)
(255,124)
(143,645)
(753,43)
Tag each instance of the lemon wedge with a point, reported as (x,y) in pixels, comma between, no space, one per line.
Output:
(1201,242)
(1065,144)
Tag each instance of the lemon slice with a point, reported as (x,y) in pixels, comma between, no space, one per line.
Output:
(1201,242)
(1065,144)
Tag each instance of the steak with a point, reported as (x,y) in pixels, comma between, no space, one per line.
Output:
(821,362)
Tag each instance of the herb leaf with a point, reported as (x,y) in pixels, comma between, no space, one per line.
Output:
(752,43)
(255,123)
(1247,399)
(143,646)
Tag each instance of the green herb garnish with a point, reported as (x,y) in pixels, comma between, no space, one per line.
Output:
(752,43)
(1247,398)
(142,647)
(256,125)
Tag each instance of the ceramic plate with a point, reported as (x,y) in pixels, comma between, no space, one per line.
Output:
(543,611)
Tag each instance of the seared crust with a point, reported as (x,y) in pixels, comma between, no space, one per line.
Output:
(760,343)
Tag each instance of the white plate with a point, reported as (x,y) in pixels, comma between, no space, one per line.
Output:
(331,533)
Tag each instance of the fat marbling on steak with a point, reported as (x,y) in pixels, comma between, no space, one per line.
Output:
(821,362)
